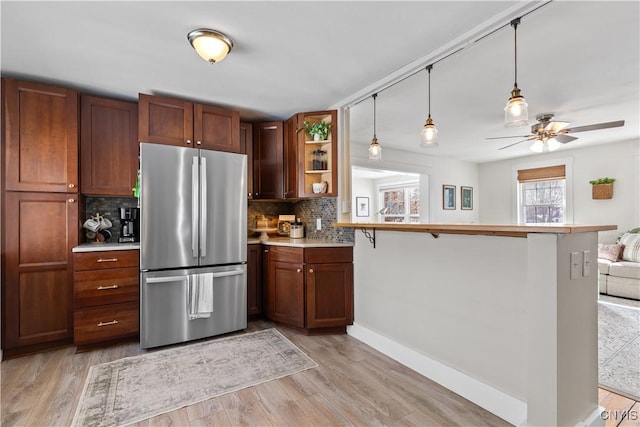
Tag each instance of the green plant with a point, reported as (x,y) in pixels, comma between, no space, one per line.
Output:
(321,129)
(605,180)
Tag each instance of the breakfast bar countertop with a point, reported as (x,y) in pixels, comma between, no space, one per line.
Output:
(97,247)
(299,243)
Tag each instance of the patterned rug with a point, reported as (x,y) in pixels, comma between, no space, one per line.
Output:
(133,389)
(619,348)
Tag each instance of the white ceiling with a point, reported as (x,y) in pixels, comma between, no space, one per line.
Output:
(578,59)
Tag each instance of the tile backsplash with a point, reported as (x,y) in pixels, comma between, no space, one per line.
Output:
(308,211)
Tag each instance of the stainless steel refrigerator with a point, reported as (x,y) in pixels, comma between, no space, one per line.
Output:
(193,243)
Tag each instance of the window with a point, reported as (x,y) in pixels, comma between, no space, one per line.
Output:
(400,202)
(542,195)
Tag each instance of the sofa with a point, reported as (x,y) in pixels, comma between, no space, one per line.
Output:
(619,266)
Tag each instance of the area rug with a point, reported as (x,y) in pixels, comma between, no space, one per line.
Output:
(619,349)
(135,388)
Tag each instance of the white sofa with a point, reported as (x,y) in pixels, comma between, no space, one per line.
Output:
(619,267)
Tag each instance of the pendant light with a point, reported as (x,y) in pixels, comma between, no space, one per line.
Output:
(375,151)
(429,134)
(213,46)
(516,113)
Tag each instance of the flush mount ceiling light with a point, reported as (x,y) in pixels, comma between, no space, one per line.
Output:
(516,113)
(375,151)
(213,46)
(429,134)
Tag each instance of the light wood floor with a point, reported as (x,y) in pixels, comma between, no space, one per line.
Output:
(353,385)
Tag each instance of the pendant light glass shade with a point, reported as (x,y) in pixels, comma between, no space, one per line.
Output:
(429,133)
(375,150)
(516,112)
(213,46)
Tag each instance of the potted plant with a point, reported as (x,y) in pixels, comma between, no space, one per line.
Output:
(602,188)
(318,130)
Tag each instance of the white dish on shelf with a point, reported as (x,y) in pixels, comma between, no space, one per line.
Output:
(263,232)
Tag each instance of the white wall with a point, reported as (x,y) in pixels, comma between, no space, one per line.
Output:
(617,160)
(439,171)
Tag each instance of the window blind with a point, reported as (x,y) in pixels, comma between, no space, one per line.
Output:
(542,174)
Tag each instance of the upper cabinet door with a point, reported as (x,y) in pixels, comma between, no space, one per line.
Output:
(109,132)
(216,128)
(165,120)
(41,137)
(246,147)
(268,160)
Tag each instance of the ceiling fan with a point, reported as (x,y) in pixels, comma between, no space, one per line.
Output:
(548,134)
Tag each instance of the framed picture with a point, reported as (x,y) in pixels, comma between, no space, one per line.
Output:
(466,197)
(448,197)
(362,206)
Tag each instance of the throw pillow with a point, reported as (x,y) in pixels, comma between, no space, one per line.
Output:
(631,242)
(612,253)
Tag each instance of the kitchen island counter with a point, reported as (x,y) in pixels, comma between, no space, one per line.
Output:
(97,247)
(299,243)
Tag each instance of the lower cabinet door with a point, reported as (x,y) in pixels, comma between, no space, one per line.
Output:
(329,294)
(285,293)
(105,323)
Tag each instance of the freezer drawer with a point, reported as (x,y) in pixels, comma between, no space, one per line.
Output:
(164,305)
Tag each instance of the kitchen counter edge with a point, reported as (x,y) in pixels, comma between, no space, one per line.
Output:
(298,243)
(99,247)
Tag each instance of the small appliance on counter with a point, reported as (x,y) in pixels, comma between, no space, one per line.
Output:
(297,230)
(284,224)
(129,225)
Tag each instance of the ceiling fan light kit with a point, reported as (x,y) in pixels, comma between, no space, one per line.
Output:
(375,150)
(516,112)
(213,46)
(429,134)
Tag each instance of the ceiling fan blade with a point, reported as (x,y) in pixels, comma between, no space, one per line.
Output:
(595,126)
(515,143)
(556,126)
(563,139)
(505,137)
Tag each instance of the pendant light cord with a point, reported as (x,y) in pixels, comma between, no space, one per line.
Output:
(429,67)
(514,24)
(375,95)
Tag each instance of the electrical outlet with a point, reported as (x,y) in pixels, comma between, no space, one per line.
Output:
(576,265)
(318,224)
(586,263)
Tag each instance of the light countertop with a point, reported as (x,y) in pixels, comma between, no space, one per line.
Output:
(298,243)
(97,247)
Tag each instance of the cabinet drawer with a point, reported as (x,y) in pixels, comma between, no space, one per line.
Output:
(105,323)
(100,287)
(105,259)
(328,255)
(286,254)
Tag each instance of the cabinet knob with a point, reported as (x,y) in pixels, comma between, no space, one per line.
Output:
(199,142)
(266,251)
(72,186)
(257,194)
(298,270)
(72,200)
(311,270)
(188,141)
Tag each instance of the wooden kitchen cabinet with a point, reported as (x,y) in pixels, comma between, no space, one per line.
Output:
(300,149)
(246,147)
(268,160)
(254,279)
(109,146)
(170,121)
(41,137)
(310,289)
(106,296)
(40,231)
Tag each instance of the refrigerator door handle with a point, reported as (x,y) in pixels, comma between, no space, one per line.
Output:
(167,279)
(228,273)
(203,205)
(194,207)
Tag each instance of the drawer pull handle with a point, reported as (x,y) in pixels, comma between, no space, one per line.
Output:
(107,260)
(113,322)
(102,288)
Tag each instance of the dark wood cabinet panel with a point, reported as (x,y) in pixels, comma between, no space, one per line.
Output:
(246,147)
(216,128)
(41,137)
(107,323)
(164,120)
(40,231)
(100,287)
(292,167)
(329,294)
(105,260)
(254,279)
(285,293)
(109,146)
(268,161)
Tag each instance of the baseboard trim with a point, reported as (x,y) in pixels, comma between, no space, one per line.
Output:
(495,401)
(595,419)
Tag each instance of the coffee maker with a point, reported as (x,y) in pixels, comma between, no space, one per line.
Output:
(130,225)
